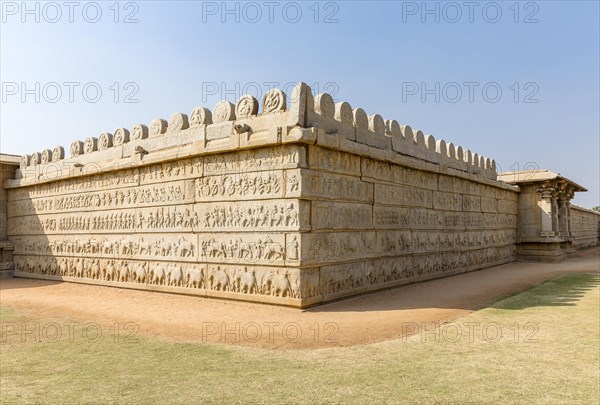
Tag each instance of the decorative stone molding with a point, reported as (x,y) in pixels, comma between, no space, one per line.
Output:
(46,156)
(105,141)
(297,204)
(58,153)
(201,116)
(158,127)
(90,145)
(139,132)
(273,100)
(76,148)
(121,136)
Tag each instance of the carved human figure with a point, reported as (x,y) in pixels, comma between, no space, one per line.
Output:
(201,116)
(139,131)
(76,148)
(224,111)
(105,141)
(246,106)
(274,100)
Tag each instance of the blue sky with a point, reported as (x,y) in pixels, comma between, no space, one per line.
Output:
(515,81)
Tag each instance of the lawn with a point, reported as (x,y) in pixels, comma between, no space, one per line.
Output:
(541,346)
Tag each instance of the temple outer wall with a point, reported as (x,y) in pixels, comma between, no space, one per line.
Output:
(585,227)
(383,224)
(292,224)
(293,206)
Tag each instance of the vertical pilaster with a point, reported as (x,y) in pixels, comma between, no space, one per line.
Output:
(545,203)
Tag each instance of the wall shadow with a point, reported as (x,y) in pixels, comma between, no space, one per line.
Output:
(499,287)
(562,291)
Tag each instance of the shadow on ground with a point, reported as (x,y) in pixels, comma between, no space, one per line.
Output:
(563,291)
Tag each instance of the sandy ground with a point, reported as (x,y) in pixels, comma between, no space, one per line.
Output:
(360,320)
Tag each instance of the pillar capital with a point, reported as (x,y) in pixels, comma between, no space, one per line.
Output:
(546,193)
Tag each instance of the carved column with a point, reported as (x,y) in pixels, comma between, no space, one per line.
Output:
(545,204)
(563,227)
(569,232)
(555,212)
(570,192)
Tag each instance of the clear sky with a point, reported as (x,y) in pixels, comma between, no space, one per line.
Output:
(515,81)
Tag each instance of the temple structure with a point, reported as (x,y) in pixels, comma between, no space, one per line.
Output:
(544,210)
(296,202)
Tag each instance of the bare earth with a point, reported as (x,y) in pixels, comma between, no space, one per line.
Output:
(365,319)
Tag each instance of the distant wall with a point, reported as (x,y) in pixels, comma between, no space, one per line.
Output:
(585,227)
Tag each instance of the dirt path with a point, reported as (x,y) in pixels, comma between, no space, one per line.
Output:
(365,319)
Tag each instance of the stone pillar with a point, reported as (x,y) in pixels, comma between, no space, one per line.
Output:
(563,216)
(545,204)
(555,212)
(569,229)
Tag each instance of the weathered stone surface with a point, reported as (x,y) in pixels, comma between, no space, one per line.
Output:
(585,226)
(340,215)
(401,195)
(330,186)
(335,161)
(294,205)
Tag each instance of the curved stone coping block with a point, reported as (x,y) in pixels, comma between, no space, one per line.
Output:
(230,127)
(336,120)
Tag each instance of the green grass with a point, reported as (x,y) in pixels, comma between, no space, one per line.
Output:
(8,314)
(548,354)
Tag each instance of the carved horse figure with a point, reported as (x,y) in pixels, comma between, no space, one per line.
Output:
(165,248)
(184,248)
(128,247)
(143,247)
(273,250)
(214,248)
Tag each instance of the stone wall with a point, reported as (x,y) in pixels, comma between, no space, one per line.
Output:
(8,167)
(294,205)
(182,225)
(383,224)
(585,227)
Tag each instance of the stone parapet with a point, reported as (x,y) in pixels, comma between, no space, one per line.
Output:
(307,120)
